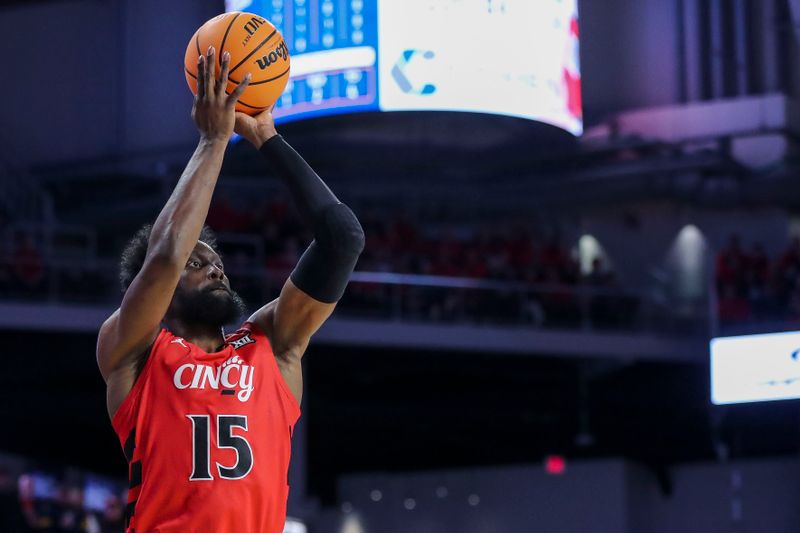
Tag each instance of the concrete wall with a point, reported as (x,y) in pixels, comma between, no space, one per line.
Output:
(742,497)
(612,496)
(94,78)
(511,499)
(629,55)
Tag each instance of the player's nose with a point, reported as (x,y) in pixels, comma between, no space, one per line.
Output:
(215,273)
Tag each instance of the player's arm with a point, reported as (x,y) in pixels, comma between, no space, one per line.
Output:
(134,326)
(318,281)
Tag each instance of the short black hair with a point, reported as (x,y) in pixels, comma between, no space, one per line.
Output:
(135,251)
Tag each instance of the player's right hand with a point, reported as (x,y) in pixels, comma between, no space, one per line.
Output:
(257,129)
(214,111)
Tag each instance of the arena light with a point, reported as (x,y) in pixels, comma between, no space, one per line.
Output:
(293,525)
(687,257)
(352,524)
(689,247)
(555,465)
(589,249)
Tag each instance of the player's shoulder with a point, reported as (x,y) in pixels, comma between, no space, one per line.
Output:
(162,340)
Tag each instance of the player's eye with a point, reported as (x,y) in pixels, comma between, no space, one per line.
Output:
(194,264)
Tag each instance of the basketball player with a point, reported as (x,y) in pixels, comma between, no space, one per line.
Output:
(204,418)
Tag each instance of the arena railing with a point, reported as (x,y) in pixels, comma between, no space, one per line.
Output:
(397,297)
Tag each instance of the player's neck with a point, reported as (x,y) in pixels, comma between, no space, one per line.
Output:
(206,338)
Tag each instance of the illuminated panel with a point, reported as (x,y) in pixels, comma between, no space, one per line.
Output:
(508,57)
(755,368)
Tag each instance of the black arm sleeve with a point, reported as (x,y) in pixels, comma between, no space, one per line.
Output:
(324,269)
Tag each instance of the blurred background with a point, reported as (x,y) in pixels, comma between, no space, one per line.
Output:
(581,274)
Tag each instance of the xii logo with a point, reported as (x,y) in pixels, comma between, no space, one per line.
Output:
(238,343)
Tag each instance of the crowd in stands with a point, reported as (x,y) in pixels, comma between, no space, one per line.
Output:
(504,251)
(754,287)
(21,266)
(60,502)
(27,272)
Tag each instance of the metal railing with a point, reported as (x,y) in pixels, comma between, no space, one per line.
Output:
(421,298)
(388,296)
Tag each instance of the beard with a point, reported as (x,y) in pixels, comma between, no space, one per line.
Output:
(208,308)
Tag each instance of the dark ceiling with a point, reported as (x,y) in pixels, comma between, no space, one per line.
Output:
(10,3)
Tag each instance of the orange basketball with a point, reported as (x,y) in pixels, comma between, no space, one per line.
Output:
(255,46)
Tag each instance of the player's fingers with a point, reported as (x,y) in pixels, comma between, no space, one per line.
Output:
(234,97)
(201,77)
(222,83)
(210,71)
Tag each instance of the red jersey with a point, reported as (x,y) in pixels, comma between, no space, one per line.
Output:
(208,437)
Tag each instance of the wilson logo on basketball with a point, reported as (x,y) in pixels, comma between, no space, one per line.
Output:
(281,52)
(232,374)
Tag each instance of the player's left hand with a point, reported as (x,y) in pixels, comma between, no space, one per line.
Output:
(256,129)
(213,109)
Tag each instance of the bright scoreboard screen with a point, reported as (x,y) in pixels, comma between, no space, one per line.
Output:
(507,57)
(755,368)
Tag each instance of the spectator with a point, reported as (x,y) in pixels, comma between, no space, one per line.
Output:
(599,276)
(750,287)
(28,266)
(224,216)
(112,515)
(758,265)
(732,265)
(733,307)
(11,517)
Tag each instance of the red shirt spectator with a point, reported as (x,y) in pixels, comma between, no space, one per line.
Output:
(758,265)
(28,264)
(732,264)
(732,306)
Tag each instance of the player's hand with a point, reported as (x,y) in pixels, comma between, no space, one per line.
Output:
(214,110)
(256,129)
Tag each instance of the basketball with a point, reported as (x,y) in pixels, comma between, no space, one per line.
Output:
(255,46)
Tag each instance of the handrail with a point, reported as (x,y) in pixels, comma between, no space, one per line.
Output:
(412,298)
(389,278)
(426,280)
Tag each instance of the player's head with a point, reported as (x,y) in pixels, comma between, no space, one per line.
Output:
(203,295)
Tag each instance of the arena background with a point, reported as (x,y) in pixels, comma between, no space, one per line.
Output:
(525,343)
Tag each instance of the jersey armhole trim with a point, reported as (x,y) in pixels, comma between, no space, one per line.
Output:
(138,384)
(279,377)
